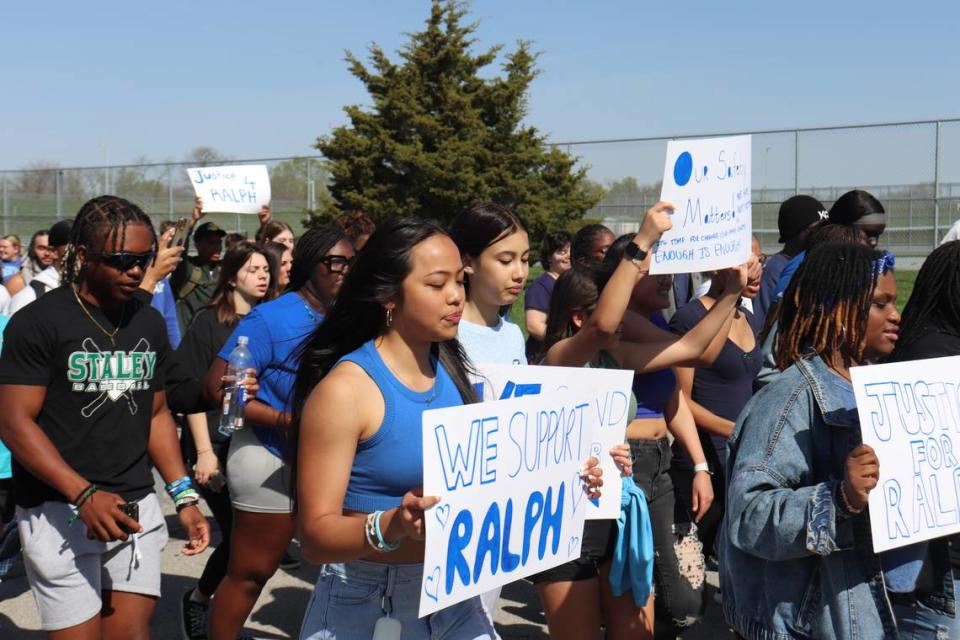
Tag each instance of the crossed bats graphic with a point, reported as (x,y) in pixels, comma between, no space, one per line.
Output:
(89,346)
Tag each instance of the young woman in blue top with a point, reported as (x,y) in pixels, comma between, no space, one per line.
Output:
(662,406)
(386,353)
(584,329)
(555,260)
(259,479)
(495,248)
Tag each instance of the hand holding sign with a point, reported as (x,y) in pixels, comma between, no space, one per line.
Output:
(655,224)
(407,522)
(862,474)
(231,189)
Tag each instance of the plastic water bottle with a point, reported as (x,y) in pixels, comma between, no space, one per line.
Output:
(234,395)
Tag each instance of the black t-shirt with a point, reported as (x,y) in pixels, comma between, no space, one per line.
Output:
(99,401)
(933,342)
(197,351)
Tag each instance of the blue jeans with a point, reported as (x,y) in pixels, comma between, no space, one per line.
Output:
(920,622)
(350,597)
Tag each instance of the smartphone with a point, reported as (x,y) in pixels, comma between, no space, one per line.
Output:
(131,510)
(180,235)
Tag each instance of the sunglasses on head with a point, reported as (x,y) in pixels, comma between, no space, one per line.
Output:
(336,264)
(124,261)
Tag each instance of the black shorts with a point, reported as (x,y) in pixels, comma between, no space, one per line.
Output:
(599,538)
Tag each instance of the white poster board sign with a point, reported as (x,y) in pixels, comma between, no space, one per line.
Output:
(910,415)
(708,181)
(512,504)
(240,188)
(609,391)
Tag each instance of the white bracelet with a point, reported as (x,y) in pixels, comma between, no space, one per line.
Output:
(702,466)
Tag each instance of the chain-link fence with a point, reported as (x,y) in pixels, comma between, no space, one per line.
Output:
(33,199)
(913,167)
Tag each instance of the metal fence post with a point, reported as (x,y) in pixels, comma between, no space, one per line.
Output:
(59,181)
(796,162)
(936,189)
(6,207)
(169,194)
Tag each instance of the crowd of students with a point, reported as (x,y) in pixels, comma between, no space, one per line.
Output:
(743,437)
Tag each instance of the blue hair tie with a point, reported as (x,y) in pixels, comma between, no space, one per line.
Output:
(883,264)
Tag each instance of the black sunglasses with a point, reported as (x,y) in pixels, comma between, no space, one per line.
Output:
(336,264)
(124,261)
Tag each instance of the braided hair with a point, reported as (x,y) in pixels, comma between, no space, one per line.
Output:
(99,221)
(311,247)
(824,309)
(935,300)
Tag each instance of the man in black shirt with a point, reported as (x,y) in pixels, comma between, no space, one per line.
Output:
(81,383)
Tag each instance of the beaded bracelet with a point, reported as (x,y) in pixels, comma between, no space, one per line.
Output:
(846,502)
(187,503)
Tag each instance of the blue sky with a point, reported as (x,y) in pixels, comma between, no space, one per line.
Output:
(85,82)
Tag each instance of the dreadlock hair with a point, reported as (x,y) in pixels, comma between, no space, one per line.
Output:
(481,225)
(583,242)
(935,301)
(99,221)
(824,309)
(358,315)
(311,247)
(233,260)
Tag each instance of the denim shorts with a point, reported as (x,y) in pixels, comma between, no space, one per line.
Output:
(350,597)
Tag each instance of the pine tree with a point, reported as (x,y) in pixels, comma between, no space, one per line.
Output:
(439,137)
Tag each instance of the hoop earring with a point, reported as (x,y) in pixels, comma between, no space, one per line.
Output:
(389,317)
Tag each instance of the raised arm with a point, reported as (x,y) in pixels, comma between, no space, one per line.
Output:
(601,326)
(671,351)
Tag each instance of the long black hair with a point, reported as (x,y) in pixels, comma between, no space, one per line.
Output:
(98,221)
(576,290)
(853,205)
(481,225)
(309,250)
(935,301)
(358,314)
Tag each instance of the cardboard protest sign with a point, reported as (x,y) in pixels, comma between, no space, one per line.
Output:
(512,503)
(910,414)
(708,181)
(609,391)
(234,189)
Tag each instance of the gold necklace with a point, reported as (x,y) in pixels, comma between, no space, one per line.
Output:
(109,334)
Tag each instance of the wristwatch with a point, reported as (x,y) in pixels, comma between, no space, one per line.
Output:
(634,253)
(703,466)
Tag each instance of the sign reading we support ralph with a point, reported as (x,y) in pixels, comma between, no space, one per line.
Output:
(910,415)
(512,504)
(240,188)
(609,391)
(708,181)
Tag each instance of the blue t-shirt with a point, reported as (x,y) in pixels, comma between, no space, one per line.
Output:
(11,268)
(787,274)
(275,330)
(164,303)
(537,298)
(5,471)
(768,284)
(502,344)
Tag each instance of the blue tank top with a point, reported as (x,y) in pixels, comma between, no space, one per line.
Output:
(654,389)
(390,462)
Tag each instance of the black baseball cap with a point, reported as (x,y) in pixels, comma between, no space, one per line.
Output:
(59,233)
(798,213)
(208,229)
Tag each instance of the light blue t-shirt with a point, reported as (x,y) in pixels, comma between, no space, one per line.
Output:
(5,471)
(275,330)
(502,344)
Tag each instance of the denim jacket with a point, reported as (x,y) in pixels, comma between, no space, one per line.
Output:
(789,566)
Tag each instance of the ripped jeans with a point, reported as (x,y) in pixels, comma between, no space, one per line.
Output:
(677,603)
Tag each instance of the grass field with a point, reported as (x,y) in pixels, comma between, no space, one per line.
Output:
(904,289)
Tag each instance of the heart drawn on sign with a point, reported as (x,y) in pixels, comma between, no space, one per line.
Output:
(574,541)
(576,492)
(442,513)
(432,585)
